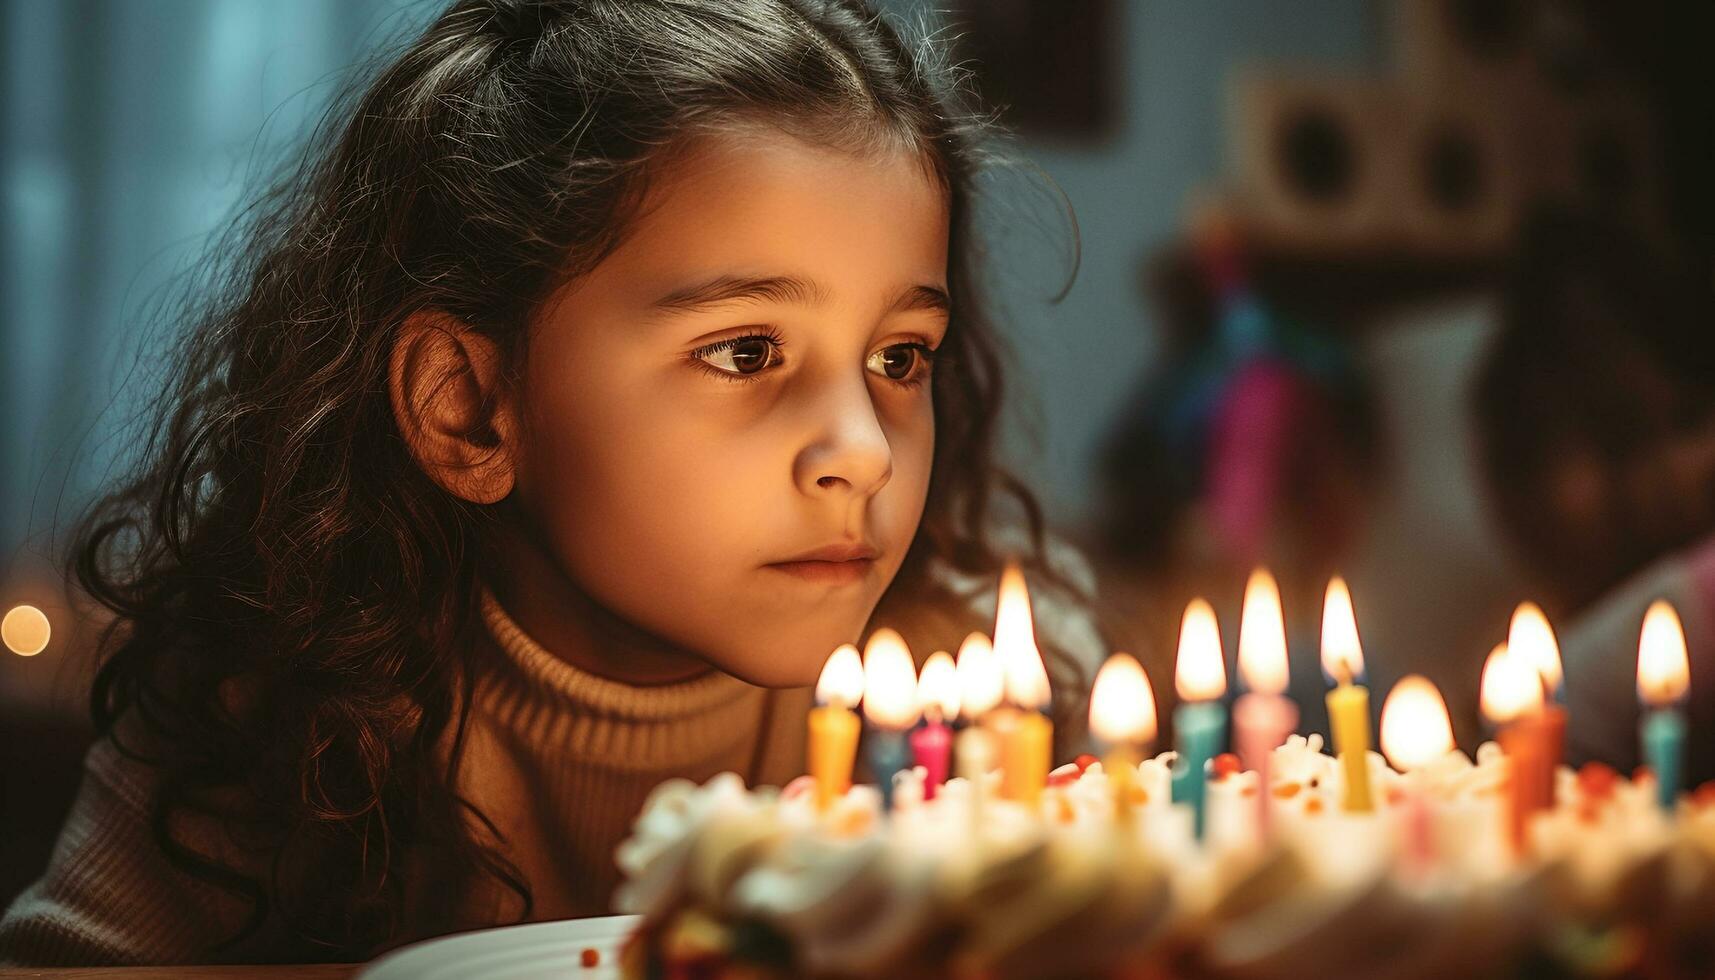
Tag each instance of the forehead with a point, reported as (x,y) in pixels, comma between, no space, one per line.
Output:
(766,203)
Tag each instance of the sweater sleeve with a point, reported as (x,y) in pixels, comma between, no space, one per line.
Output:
(1600,651)
(109,896)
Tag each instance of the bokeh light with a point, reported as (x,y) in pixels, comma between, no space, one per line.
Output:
(25,630)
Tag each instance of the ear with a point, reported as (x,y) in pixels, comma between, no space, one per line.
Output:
(452,406)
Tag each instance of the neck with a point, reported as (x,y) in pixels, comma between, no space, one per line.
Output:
(573,625)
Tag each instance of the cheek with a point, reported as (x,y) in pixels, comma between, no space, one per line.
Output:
(911,439)
(643,491)
(635,470)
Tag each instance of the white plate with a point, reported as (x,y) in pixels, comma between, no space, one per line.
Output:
(536,951)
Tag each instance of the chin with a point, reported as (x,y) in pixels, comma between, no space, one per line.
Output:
(780,664)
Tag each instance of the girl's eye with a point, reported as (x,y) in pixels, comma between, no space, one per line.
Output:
(903,363)
(740,357)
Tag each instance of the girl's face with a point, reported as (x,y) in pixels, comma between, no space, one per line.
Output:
(727,423)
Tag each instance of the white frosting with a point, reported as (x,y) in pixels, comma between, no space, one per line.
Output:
(1081,882)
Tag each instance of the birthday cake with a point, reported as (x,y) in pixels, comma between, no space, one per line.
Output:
(1089,882)
(1292,863)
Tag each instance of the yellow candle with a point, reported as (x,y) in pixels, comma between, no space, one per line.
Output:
(834,726)
(1348,703)
(1027,743)
(1122,717)
(1025,758)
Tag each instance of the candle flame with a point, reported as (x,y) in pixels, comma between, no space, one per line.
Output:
(1664,673)
(889,681)
(1262,636)
(841,683)
(980,684)
(938,686)
(1530,637)
(1342,654)
(1415,730)
(1122,704)
(1200,674)
(1510,688)
(1015,643)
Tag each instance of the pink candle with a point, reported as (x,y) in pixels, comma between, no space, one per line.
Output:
(1263,717)
(938,697)
(1416,732)
(931,745)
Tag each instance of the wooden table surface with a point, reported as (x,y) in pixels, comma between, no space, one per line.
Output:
(317,971)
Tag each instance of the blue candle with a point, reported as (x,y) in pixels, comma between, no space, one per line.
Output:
(1664,676)
(889,705)
(1200,676)
(887,753)
(1199,725)
(1664,747)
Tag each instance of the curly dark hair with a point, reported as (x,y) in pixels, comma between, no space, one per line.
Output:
(295,602)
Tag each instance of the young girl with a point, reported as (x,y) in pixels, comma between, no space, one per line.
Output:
(616,361)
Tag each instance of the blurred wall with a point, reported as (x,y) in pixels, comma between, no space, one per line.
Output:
(131,131)
(1079,361)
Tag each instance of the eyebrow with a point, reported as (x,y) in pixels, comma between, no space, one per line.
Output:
(785,289)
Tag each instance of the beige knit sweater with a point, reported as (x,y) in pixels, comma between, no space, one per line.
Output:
(560,759)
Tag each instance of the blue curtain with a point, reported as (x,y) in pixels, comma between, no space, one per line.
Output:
(132,130)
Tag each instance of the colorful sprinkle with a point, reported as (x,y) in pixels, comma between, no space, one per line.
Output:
(1226,764)
(1597,780)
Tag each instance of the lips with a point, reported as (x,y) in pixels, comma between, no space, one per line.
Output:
(835,564)
(846,551)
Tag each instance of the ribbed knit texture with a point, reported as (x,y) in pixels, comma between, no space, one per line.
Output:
(565,759)
(559,759)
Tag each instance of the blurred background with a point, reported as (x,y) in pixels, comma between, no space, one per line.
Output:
(1412,292)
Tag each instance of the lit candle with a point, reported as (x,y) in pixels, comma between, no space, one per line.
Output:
(889,705)
(1511,697)
(1026,742)
(1416,731)
(1532,639)
(1200,677)
(1262,716)
(980,690)
(834,727)
(938,699)
(1122,718)
(1348,703)
(1664,676)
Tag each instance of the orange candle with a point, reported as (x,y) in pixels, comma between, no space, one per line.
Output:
(1026,738)
(1531,638)
(1512,701)
(834,726)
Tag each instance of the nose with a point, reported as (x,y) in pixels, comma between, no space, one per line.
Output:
(850,454)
